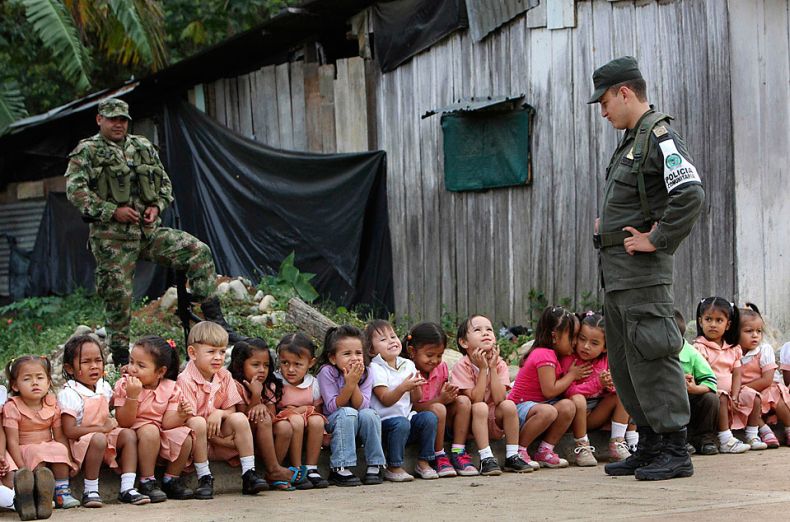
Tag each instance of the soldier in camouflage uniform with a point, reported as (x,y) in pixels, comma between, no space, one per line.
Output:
(652,198)
(119,185)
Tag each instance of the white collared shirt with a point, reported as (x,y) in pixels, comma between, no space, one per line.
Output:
(71,397)
(385,375)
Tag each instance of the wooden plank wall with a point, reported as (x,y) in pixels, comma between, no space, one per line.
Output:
(298,106)
(483,252)
(761,126)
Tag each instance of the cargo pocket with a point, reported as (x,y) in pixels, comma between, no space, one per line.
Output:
(652,331)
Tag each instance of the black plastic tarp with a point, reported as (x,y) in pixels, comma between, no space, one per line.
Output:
(403,28)
(253,205)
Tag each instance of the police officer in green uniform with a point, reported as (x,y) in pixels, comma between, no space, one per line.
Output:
(652,198)
(118,183)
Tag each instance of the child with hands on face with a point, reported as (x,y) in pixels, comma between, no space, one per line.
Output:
(758,365)
(396,386)
(210,391)
(483,376)
(346,387)
(425,344)
(596,402)
(251,367)
(299,408)
(148,401)
(94,436)
(35,439)
(541,382)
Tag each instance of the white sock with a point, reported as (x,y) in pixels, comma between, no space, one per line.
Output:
(127,481)
(343,472)
(510,450)
(724,436)
(247,463)
(311,466)
(202,469)
(632,438)
(764,429)
(751,432)
(618,430)
(583,439)
(6,497)
(372,470)
(90,485)
(486,452)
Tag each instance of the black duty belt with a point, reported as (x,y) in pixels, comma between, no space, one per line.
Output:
(610,239)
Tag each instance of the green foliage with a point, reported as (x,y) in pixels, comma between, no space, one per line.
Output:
(289,282)
(537,302)
(590,302)
(12,104)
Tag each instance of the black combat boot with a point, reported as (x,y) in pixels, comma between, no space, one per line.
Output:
(212,311)
(648,448)
(674,460)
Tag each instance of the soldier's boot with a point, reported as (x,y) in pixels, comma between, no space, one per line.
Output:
(674,460)
(212,311)
(648,449)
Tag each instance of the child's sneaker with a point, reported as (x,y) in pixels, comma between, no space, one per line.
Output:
(618,450)
(462,463)
(515,464)
(769,438)
(524,454)
(549,459)
(316,479)
(426,473)
(92,499)
(733,446)
(24,495)
(64,500)
(489,467)
(443,467)
(584,455)
(756,444)
(342,480)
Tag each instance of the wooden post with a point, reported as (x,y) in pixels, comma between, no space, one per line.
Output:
(308,319)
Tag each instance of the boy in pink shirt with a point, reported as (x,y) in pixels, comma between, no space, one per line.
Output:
(210,392)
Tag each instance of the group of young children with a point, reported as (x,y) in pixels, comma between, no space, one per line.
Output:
(370,387)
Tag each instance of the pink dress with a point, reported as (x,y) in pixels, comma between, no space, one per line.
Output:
(723,360)
(754,363)
(464,375)
(3,399)
(590,387)
(306,394)
(220,393)
(36,441)
(89,408)
(151,408)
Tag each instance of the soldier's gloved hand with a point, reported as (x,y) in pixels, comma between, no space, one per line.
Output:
(126,215)
(150,215)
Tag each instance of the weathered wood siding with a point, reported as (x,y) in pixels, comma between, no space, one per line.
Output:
(761,125)
(298,106)
(483,252)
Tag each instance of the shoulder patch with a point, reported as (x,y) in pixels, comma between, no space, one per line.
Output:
(678,170)
(659,130)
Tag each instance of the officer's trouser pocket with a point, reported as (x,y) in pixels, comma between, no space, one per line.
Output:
(652,331)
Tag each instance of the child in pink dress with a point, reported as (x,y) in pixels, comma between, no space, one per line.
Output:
(483,376)
(595,394)
(34,435)
(300,406)
(148,401)
(7,465)
(211,393)
(717,341)
(759,366)
(251,367)
(93,435)
(540,383)
(425,344)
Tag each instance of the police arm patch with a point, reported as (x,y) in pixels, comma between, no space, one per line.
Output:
(678,170)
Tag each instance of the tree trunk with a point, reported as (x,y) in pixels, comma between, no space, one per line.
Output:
(308,319)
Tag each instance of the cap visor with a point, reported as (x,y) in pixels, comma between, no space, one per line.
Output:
(596,96)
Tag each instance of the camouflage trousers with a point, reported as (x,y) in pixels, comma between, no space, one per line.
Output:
(117,248)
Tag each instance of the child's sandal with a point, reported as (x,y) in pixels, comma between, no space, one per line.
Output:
(281,485)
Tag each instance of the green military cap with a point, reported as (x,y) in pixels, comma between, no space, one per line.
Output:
(113,107)
(619,70)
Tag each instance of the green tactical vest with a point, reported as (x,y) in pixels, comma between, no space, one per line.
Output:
(139,175)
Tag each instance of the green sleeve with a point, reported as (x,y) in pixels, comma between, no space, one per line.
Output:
(702,372)
(78,189)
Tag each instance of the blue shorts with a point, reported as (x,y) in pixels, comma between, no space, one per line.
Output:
(523,410)
(592,403)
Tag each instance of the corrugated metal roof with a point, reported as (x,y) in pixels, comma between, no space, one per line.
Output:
(20,220)
(487,15)
(474,104)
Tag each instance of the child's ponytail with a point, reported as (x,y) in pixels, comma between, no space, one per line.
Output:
(553,319)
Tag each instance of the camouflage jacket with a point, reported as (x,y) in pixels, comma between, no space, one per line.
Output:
(103,175)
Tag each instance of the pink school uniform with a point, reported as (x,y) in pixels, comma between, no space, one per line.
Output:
(589,387)
(89,408)
(723,360)
(205,397)
(36,441)
(306,394)
(436,379)
(151,408)
(754,363)
(464,376)
(3,399)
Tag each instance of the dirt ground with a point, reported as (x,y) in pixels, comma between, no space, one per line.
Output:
(754,486)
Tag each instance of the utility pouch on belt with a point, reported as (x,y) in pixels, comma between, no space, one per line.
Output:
(149,180)
(114,182)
